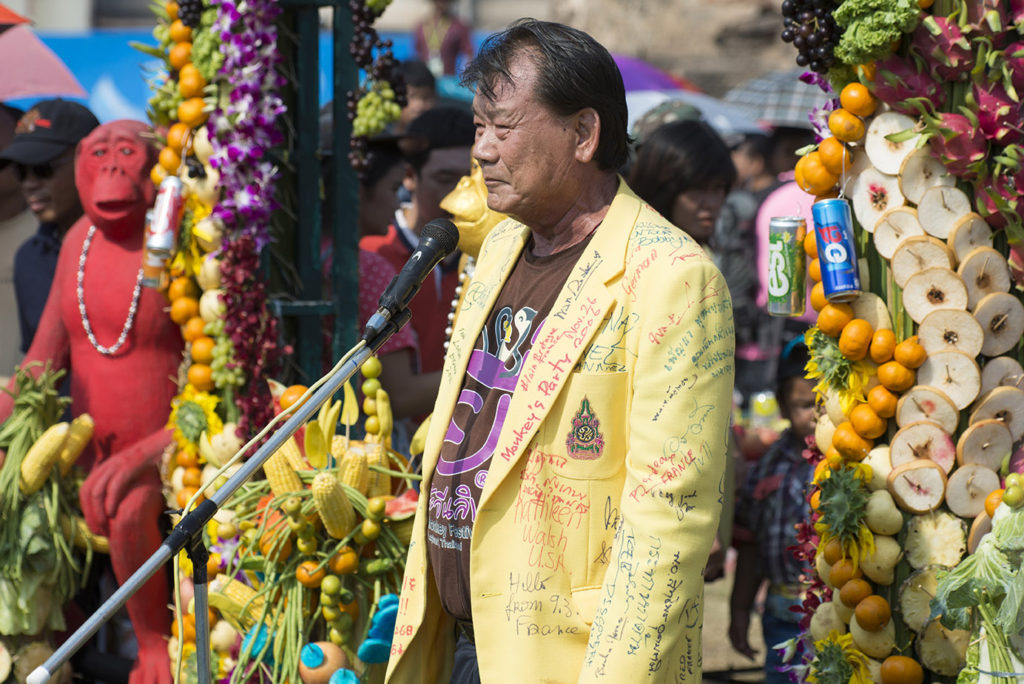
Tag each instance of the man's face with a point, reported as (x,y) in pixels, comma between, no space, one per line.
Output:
(49,189)
(436,179)
(526,152)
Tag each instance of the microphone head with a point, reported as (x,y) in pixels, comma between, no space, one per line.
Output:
(444,232)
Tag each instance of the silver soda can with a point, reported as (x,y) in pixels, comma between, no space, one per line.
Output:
(786,265)
(162,229)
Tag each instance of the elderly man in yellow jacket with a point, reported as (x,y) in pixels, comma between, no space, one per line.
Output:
(573,467)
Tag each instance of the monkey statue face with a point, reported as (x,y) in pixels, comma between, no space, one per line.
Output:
(112,175)
(467,204)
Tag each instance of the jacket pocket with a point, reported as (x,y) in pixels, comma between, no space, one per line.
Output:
(587,428)
(586,600)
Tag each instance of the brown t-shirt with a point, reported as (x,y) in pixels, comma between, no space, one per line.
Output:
(494,366)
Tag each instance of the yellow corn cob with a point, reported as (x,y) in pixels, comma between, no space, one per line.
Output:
(338,448)
(79,435)
(237,600)
(41,458)
(355,469)
(82,536)
(333,505)
(281,476)
(290,451)
(378,484)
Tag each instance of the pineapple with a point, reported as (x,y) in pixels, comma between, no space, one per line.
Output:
(916,594)
(941,650)
(935,538)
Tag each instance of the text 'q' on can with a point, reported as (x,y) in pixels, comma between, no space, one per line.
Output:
(833,228)
(786,267)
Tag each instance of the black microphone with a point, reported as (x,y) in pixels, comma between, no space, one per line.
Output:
(438,239)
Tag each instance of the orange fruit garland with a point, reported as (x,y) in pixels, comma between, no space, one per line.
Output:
(842,572)
(814,270)
(910,353)
(200,376)
(845,125)
(179,32)
(818,300)
(883,342)
(190,81)
(855,339)
(873,613)
(184,308)
(170,160)
(901,670)
(182,286)
(202,349)
(849,443)
(882,401)
(833,550)
(193,329)
(190,112)
(866,422)
(854,591)
(857,99)
(177,135)
(179,55)
(992,501)
(895,376)
(817,180)
(833,318)
(835,156)
(811,245)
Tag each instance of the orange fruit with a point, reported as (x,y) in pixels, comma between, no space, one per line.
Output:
(172,10)
(835,155)
(815,499)
(157,174)
(845,125)
(291,395)
(179,32)
(993,500)
(899,669)
(814,270)
(193,477)
(811,245)
(910,353)
(895,376)
(866,422)
(193,329)
(857,99)
(170,160)
(849,443)
(271,550)
(202,349)
(873,613)
(200,376)
(182,286)
(842,572)
(188,622)
(184,494)
(883,342)
(854,591)
(866,71)
(345,561)
(833,550)
(833,318)
(179,54)
(310,574)
(177,135)
(925,4)
(855,339)
(190,112)
(186,459)
(184,308)
(817,179)
(882,401)
(798,173)
(818,299)
(190,81)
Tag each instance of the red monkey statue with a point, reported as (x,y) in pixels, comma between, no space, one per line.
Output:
(122,351)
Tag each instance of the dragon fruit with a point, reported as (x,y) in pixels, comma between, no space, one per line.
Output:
(1013,65)
(944,47)
(1017,271)
(998,115)
(900,82)
(987,18)
(996,197)
(958,143)
(1016,11)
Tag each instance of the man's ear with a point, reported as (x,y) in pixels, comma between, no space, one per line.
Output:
(409,181)
(588,134)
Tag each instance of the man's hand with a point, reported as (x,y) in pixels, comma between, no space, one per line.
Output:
(739,626)
(715,569)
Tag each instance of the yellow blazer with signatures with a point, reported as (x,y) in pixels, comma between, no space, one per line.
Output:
(604,491)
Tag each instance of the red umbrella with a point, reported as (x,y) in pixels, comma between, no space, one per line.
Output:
(31,69)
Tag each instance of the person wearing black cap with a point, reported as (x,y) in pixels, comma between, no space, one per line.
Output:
(17,224)
(43,155)
(769,505)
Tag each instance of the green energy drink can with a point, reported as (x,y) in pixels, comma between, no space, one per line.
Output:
(786,265)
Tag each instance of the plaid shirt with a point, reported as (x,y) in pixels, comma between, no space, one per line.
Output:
(770,504)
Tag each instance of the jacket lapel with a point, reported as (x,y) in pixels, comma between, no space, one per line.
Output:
(500,256)
(575,318)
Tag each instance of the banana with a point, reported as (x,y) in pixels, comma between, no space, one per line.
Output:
(328,419)
(316,447)
(419,438)
(386,418)
(207,451)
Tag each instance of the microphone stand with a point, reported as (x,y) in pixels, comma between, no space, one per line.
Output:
(188,533)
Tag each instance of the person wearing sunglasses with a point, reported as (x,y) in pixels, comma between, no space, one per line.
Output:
(42,155)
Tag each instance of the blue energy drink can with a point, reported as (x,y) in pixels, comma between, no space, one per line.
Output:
(833,228)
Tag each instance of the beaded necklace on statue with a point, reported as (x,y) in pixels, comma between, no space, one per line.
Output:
(465,275)
(80,291)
